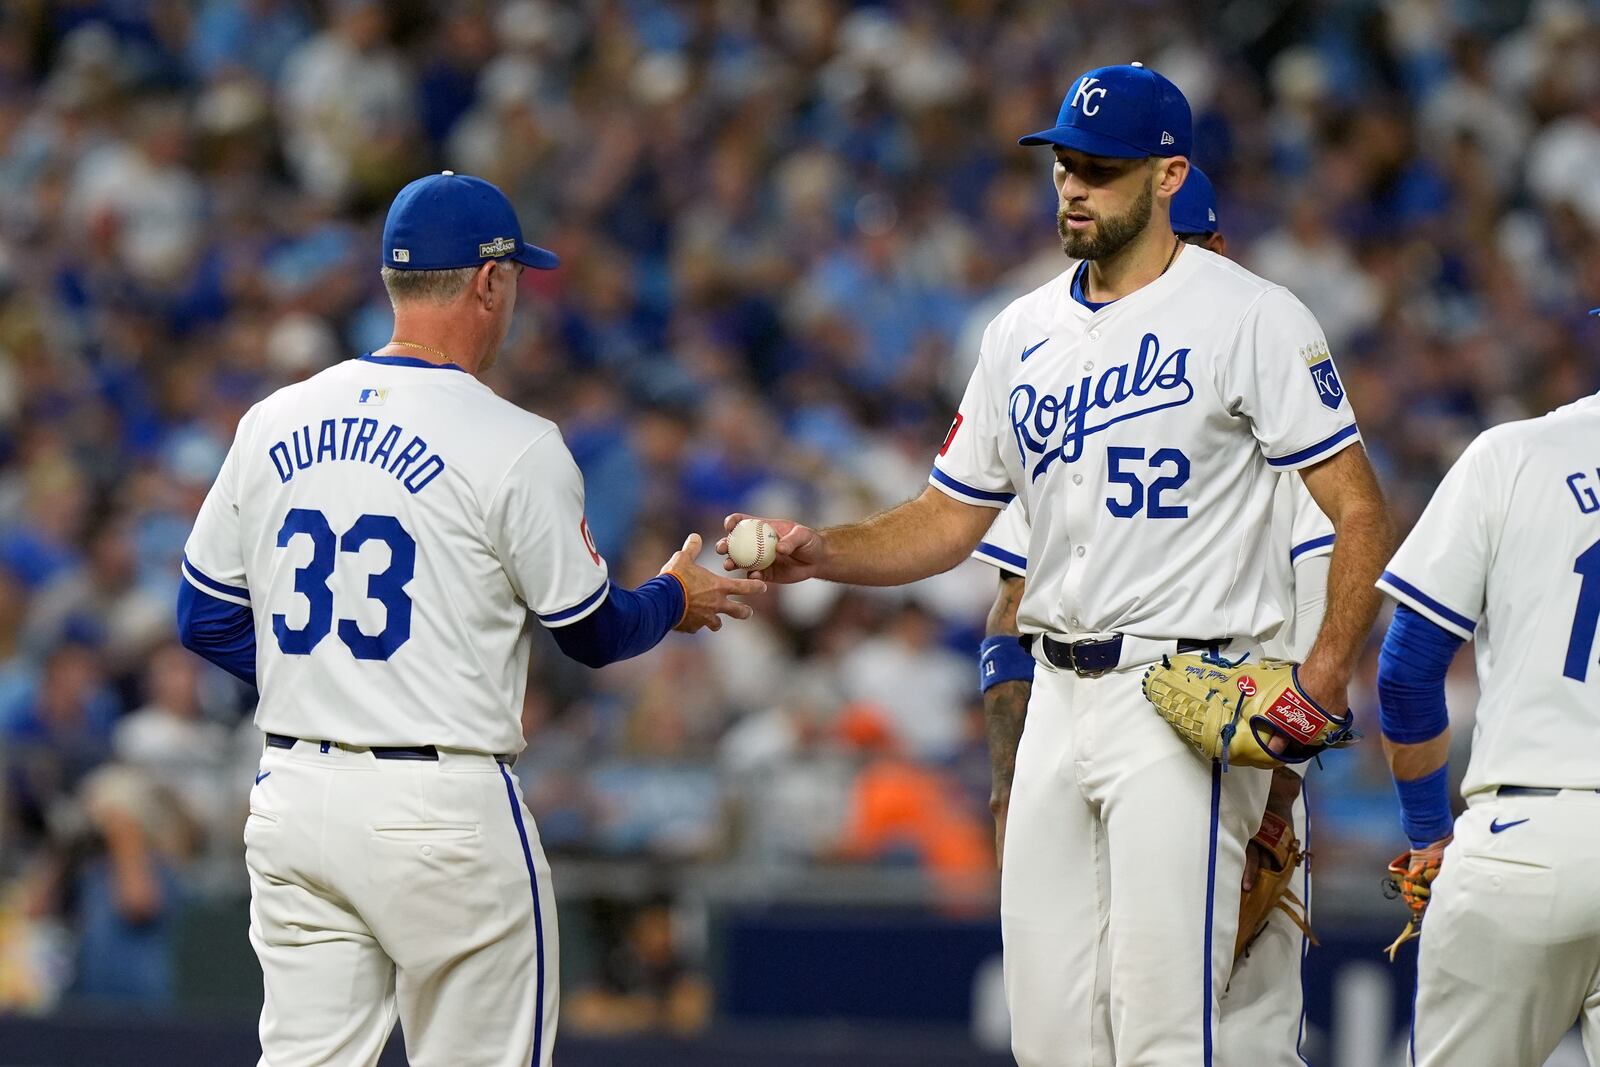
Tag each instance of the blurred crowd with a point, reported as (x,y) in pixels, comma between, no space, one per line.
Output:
(783,226)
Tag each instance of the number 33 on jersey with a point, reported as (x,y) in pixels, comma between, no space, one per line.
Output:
(1144,440)
(369,514)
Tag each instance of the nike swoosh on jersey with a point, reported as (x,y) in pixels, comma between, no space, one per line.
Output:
(262,775)
(1495,825)
(1026,352)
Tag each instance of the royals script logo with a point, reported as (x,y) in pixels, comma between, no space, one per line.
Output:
(1049,427)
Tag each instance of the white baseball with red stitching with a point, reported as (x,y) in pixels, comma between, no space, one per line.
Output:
(753,544)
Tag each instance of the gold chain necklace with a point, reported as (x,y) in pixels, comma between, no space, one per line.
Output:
(412,344)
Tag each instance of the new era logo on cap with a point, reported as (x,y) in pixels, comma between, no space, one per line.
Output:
(1167,138)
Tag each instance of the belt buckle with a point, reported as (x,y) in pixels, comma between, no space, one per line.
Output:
(1072,660)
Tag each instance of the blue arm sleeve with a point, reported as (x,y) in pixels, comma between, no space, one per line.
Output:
(1411,709)
(627,622)
(218,631)
(1411,668)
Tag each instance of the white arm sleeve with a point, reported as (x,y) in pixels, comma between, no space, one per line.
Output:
(536,524)
(1441,570)
(968,466)
(1281,377)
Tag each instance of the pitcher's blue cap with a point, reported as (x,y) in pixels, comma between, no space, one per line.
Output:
(1126,112)
(451,220)
(1194,208)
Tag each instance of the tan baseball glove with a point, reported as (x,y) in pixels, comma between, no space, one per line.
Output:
(1270,892)
(1253,714)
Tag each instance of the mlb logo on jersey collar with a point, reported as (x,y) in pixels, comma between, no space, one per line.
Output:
(1319,361)
(372,397)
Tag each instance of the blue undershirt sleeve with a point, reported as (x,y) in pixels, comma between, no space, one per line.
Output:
(628,622)
(218,631)
(1416,655)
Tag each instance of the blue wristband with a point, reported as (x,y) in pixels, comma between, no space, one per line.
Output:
(1425,807)
(1002,658)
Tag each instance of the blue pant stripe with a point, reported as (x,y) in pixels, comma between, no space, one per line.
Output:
(538,919)
(1211,897)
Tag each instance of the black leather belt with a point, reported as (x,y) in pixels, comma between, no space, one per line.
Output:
(1093,657)
(1535,791)
(413,752)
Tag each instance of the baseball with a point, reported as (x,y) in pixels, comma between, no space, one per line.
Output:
(753,544)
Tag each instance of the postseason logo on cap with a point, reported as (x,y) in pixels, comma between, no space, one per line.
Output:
(500,246)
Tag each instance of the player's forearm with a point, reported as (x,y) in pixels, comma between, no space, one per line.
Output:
(1005,711)
(908,542)
(1005,704)
(1365,540)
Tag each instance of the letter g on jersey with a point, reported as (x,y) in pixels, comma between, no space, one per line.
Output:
(1084,95)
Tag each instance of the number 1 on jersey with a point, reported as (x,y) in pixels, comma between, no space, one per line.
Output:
(1580,646)
(387,586)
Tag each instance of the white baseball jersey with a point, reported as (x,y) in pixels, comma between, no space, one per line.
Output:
(1508,554)
(1297,523)
(391,523)
(1145,441)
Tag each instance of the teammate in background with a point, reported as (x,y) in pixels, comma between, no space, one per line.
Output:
(385,528)
(1509,549)
(1142,405)
(1263,1008)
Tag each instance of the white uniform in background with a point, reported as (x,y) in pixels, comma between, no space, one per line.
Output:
(1507,554)
(391,523)
(1145,441)
(1263,1010)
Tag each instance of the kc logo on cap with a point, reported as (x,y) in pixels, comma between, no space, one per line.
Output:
(1122,112)
(1083,96)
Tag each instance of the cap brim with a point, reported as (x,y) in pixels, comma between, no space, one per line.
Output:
(537,258)
(1085,141)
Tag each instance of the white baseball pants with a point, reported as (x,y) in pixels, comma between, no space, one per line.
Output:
(1119,895)
(1263,1008)
(411,889)
(1510,951)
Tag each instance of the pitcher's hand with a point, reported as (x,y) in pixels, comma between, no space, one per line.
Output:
(800,550)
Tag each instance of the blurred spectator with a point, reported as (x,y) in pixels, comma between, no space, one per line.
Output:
(645,981)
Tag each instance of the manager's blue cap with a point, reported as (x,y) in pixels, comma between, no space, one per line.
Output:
(451,220)
(1128,112)
(1194,208)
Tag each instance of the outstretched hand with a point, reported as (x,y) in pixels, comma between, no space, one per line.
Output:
(800,550)
(708,596)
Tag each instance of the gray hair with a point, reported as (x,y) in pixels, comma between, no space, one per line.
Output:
(435,286)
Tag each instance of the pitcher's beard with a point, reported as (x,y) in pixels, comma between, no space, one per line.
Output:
(1110,235)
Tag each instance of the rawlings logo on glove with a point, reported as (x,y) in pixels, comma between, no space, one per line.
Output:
(1207,700)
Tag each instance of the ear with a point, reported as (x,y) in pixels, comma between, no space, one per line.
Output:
(1170,175)
(1218,244)
(484,287)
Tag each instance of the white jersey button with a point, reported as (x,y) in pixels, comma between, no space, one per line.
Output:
(1088,364)
(1094,335)
(1081,550)
(1077,479)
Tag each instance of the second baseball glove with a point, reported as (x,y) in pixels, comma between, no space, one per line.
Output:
(1271,891)
(1252,714)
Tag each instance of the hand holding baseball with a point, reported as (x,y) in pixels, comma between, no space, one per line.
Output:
(795,555)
